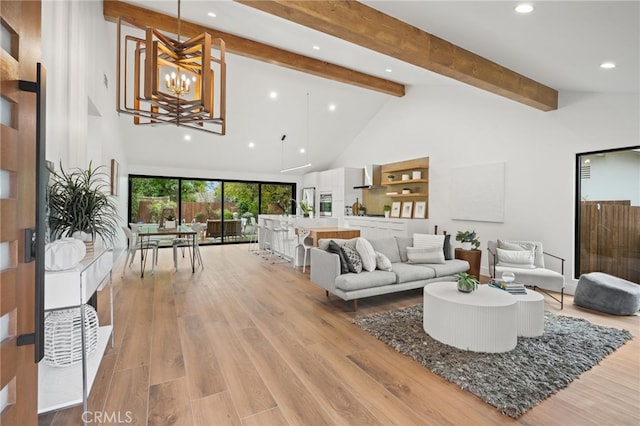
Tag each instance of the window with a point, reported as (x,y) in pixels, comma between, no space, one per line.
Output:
(224,207)
(608,213)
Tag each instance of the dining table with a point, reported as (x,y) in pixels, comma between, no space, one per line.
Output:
(154,232)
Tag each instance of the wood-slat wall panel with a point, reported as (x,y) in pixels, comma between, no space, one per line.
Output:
(610,239)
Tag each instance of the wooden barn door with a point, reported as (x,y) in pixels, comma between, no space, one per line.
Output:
(19,54)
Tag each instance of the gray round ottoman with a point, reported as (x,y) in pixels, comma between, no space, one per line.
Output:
(606,293)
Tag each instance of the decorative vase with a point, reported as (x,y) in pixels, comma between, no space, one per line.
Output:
(386,214)
(86,239)
(467,246)
(310,215)
(464,289)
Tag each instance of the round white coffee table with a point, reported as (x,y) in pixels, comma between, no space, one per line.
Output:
(530,314)
(482,321)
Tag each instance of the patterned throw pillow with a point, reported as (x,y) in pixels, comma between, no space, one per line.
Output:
(353,259)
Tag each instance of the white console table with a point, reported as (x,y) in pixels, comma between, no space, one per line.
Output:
(60,387)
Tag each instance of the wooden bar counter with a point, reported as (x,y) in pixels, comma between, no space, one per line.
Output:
(322,233)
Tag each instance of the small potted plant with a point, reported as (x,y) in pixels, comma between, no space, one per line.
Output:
(466,283)
(307,210)
(390,178)
(170,222)
(468,240)
(387,210)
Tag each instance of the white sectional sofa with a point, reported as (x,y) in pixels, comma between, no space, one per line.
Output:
(326,271)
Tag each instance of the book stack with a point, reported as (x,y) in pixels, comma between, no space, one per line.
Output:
(512,288)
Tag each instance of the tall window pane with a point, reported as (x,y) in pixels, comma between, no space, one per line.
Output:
(150,197)
(608,206)
(276,198)
(241,208)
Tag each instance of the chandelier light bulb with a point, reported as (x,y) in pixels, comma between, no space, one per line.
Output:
(178,84)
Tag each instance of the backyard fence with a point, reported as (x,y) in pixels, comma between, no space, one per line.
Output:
(201,211)
(610,239)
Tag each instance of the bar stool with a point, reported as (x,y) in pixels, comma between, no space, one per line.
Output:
(306,244)
(279,230)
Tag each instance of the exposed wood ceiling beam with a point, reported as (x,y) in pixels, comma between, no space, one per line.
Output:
(251,49)
(367,27)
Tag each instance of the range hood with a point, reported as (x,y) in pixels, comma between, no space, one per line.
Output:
(370,177)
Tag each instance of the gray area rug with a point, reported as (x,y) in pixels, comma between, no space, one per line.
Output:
(514,381)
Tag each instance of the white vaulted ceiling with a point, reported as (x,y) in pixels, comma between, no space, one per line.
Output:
(560,45)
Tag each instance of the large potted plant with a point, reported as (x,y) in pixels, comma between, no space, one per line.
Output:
(468,239)
(80,205)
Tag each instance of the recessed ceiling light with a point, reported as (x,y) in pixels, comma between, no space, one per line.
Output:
(273,95)
(524,8)
(607,65)
(389,70)
(187,137)
(332,107)
(302,151)
(251,144)
(316,47)
(213,15)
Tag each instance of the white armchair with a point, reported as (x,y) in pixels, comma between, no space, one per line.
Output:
(526,260)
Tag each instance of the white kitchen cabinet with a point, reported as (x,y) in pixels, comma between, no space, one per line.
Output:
(339,183)
(380,227)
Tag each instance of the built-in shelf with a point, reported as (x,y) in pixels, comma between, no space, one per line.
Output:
(405,182)
(60,387)
(413,194)
(419,187)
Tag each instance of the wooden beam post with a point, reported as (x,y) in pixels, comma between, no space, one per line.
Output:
(372,29)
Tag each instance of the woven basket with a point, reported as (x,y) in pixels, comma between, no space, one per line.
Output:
(63,339)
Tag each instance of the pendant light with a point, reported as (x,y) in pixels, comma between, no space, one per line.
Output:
(306,150)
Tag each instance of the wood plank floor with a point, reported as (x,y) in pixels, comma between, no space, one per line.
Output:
(247,342)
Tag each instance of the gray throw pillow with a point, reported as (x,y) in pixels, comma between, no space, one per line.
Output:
(447,247)
(353,259)
(333,247)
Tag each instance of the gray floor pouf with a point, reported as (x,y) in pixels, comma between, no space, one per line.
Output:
(606,293)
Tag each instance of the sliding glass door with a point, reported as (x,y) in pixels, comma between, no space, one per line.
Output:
(608,213)
(241,201)
(225,208)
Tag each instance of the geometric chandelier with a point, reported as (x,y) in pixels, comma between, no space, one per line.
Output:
(161,80)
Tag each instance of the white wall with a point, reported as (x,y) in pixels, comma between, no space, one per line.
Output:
(81,118)
(458,125)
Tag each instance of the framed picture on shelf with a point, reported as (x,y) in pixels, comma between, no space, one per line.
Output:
(395,209)
(407,209)
(420,211)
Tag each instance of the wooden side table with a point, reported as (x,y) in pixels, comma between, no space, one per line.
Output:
(471,256)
